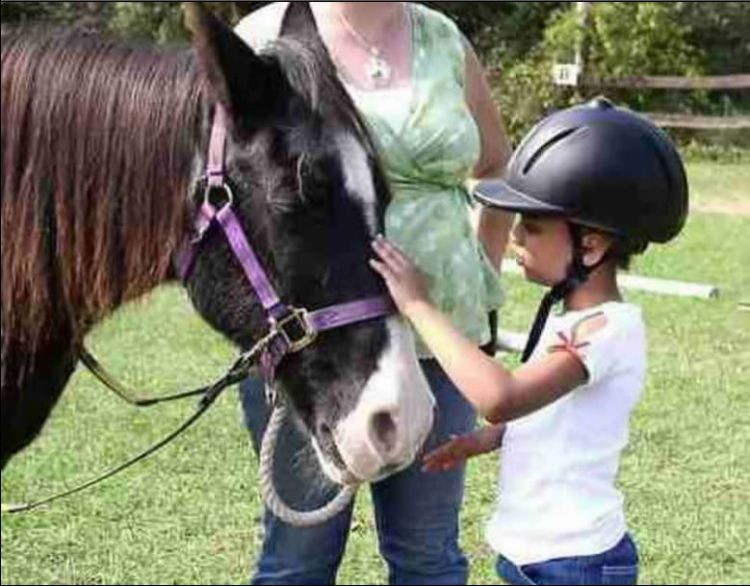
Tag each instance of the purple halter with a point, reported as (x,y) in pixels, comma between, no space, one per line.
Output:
(292,329)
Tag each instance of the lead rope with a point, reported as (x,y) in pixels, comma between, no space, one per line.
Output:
(239,371)
(270,440)
(271,497)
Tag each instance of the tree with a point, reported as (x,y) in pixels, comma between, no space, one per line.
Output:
(91,15)
(493,27)
(721,30)
(163,21)
(158,21)
(624,38)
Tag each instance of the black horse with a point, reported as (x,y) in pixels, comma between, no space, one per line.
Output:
(103,147)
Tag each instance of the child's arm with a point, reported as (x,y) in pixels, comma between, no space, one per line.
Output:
(461,448)
(497,394)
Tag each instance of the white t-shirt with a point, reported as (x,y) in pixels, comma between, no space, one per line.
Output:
(557,495)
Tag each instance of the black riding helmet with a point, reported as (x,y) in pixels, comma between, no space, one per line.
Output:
(598,166)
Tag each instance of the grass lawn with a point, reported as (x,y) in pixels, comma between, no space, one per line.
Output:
(191,514)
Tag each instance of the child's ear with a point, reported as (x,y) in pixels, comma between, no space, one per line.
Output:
(595,246)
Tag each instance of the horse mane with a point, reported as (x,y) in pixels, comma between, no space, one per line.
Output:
(98,141)
(98,145)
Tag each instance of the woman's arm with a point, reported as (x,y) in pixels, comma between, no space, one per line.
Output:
(494,225)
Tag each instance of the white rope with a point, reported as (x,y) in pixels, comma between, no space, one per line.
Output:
(271,497)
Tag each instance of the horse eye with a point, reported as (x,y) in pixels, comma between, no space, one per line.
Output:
(314,181)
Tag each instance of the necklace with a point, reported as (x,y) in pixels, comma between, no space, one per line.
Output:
(378,68)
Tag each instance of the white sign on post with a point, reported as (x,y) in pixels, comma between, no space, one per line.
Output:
(568,74)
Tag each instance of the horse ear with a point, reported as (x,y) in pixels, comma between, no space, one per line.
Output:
(241,81)
(299,23)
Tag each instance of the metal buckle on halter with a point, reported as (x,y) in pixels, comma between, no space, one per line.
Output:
(296,328)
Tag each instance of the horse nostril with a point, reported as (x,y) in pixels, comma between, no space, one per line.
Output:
(325,432)
(384,431)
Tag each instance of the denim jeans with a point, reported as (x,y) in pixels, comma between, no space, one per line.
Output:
(616,566)
(416,514)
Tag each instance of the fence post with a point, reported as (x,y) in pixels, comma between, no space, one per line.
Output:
(582,46)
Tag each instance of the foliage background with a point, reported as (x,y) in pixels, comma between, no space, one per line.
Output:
(192,515)
(519,42)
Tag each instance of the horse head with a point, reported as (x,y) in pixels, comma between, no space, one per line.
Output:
(310,195)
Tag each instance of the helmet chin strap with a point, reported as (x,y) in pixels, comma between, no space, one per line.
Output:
(578,273)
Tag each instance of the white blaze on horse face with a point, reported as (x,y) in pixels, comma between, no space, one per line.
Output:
(355,165)
(394,415)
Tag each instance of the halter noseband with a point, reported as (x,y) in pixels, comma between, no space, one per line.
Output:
(292,329)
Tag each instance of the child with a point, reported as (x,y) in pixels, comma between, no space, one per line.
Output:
(593,185)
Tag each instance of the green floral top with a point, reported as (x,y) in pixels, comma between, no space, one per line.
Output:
(429,152)
(430,144)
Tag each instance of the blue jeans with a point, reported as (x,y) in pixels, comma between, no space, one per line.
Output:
(416,513)
(617,566)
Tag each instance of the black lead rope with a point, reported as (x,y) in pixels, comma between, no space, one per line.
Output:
(104,377)
(239,371)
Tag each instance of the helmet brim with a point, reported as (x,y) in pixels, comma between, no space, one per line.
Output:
(496,193)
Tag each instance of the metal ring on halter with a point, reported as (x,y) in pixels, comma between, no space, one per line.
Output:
(224,188)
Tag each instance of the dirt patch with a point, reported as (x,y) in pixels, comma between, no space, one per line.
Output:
(725,208)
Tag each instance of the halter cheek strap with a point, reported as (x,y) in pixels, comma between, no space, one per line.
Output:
(291,329)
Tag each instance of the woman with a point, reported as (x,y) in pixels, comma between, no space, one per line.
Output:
(421,88)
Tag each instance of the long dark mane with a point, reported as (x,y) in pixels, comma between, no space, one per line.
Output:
(98,143)
(97,138)
(103,148)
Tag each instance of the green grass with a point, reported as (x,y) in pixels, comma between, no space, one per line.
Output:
(724,186)
(191,514)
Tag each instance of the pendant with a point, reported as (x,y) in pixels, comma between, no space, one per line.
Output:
(379,70)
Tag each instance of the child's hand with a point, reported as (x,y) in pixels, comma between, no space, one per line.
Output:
(408,286)
(461,448)
(452,454)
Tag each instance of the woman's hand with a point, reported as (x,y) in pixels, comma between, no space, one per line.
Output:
(407,284)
